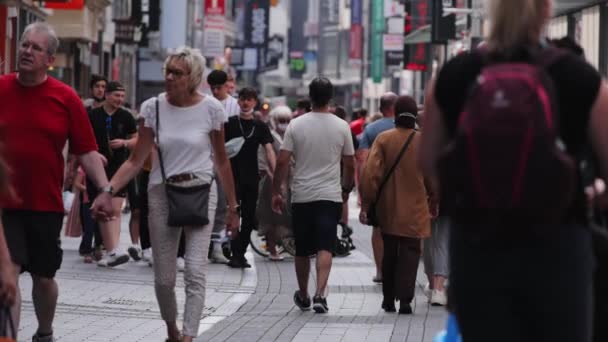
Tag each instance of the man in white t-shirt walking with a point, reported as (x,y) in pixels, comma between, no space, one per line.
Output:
(218,82)
(318,141)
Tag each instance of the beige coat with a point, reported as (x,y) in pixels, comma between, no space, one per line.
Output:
(403,208)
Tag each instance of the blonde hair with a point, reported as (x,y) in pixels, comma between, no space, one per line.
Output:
(515,23)
(193,59)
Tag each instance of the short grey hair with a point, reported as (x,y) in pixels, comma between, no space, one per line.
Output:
(194,60)
(42,27)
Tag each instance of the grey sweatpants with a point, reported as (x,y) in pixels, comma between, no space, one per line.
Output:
(436,253)
(165,241)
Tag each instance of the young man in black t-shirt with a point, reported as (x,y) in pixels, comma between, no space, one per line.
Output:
(245,168)
(115,131)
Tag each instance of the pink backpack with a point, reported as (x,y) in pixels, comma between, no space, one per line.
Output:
(507,163)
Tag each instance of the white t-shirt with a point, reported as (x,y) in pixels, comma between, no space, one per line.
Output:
(318,141)
(184,136)
(231,106)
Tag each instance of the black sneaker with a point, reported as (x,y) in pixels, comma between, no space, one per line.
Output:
(405,309)
(319,304)
(302,303)
(238,263)
(388,306)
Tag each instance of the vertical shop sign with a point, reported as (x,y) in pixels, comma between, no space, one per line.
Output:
(213,28)
(297,42)
(417,55)
(257,22)
(355,51)
(377,34)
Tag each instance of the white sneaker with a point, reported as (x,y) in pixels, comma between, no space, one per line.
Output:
(217,255)
(181,264)
(135,253)
(439,298)
(146,256)
(113,260)
(427,291)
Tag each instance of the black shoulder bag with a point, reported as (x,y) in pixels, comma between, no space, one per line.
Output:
(372,217)
(188,206)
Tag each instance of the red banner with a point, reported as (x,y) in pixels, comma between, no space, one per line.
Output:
(69,5)
(356,42)
(215,7)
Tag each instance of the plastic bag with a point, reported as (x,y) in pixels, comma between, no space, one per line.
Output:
(68,199)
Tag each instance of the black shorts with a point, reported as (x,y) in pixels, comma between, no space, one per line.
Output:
(33,239)
(315,226)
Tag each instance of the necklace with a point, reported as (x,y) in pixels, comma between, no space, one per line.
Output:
(243,132)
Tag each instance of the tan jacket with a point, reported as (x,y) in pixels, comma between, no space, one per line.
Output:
(403,208)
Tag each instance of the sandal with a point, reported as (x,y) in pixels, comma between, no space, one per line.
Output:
(88,259)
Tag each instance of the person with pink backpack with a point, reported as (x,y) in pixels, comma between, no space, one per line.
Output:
(505,128)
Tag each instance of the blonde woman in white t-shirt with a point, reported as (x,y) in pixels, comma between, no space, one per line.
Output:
(191,130)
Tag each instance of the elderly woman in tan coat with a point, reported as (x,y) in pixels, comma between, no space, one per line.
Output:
(402,209)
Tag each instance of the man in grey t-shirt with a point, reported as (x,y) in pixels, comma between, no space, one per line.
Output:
(317,141)
(387,108)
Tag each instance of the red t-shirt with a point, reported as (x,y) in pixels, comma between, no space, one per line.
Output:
(357,126)
(35,123)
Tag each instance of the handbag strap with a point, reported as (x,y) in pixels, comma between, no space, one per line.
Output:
(392,169)
(160,155)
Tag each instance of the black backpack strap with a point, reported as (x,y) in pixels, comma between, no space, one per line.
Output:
(392,169)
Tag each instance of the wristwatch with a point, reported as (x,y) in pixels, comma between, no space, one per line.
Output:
(108,189)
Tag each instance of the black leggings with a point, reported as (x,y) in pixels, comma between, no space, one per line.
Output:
(532,289)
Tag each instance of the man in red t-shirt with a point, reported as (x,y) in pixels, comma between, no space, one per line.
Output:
(356,126)
(39,115)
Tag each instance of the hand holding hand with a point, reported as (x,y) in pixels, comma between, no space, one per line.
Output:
(102,208)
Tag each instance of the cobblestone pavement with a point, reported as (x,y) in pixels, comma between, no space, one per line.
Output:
(100,304)
(103,304)
(354,305)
